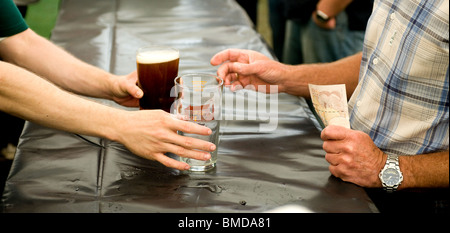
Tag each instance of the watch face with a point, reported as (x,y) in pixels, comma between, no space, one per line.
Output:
(391,177)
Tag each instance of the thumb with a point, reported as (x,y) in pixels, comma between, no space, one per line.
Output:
(135,91)
(131,85)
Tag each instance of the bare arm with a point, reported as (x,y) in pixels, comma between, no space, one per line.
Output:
(425,171)
(148,134)
(253,68)
(37,54)
(27,96)
(343,71)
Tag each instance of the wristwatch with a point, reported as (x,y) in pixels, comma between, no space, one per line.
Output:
(391,176)
(321,16)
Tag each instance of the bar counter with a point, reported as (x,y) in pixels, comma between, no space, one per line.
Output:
(258,169)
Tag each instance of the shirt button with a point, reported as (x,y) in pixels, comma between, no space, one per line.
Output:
(392,16)
(375,61)
(359,103)
(392,37)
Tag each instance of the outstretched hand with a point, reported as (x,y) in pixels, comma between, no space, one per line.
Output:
(241,68)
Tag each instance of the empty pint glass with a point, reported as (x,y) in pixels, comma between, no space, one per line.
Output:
(157,67)
(199,100)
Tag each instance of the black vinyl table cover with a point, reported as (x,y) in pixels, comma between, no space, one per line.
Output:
(257,171)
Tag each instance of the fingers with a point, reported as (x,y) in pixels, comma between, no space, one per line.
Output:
(187,146)
(340,166)
(189,143)
(220,58)
(190,153)
(169,162)
(236,75)
(229,72)
(232,55)
(189,127)
(334,170)
(183,147)
(334,159)
(233,62)
(332,136)
(333,132)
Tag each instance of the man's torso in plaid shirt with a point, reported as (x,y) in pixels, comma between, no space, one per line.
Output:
(401,100)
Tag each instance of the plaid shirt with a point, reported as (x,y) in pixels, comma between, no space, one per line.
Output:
(402,98)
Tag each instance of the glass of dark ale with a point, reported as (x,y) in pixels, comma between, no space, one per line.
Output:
(157,67)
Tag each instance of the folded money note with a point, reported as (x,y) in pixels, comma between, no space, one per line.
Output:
(330,103)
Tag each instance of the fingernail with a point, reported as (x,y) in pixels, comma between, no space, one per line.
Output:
(209,131)
(139,93)
(213,147)
(186,167)
(207,156)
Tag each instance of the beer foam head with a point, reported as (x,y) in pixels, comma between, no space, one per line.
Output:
(159,56)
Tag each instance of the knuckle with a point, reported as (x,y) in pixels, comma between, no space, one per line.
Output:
(180,151)
(166,163)
(188,142)
(186,127)
(333,170)
(325,146)
(347,160)
(209,147)
(164,136)
(162,122)
(164,160)
(328,157)
(348,148)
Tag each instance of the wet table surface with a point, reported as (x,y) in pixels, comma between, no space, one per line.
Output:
(270,151)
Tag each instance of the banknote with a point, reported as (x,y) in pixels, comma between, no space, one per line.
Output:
(330,103)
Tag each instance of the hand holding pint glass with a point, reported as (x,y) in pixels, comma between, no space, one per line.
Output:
(199,100)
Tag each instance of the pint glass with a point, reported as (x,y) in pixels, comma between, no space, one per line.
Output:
(199,100)
(157,67)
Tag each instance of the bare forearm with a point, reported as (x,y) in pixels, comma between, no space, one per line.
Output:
(61,68)
(425,171)
(32,98)
(344,71)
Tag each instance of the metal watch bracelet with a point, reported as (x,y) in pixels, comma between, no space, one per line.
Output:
(321,16)
(392,162)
